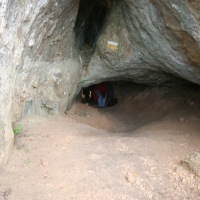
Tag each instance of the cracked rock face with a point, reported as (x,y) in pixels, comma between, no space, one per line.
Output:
(155,39)
(42,61)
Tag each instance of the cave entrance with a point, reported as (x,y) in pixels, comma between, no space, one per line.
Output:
(89,23)
(139,105)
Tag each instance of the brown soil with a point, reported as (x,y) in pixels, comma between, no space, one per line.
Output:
(128,151)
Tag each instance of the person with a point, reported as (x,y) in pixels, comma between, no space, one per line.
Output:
(87,94)
(99,94)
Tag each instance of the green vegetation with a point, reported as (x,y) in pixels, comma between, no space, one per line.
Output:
(18,129)
(27,162)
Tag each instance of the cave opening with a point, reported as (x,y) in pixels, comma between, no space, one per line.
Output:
(139,105)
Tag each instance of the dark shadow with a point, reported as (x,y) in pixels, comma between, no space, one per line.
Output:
(89,22)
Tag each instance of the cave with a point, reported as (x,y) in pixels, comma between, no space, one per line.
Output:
(149,50)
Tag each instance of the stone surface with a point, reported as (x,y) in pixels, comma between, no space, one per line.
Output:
(156,39)
(192,162)
(41,69)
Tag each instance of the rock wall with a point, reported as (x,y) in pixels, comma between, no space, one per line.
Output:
(39,73)
(48,74)
(156,39)
(41,69)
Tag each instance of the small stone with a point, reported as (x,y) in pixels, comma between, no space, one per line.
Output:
(130,177)
(192,162)
(34,84)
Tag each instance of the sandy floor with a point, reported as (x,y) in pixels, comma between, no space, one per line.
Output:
(130,151)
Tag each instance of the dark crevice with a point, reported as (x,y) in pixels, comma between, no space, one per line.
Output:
(89,23)
(90,19)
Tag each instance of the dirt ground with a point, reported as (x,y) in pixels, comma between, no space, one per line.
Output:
(130,151)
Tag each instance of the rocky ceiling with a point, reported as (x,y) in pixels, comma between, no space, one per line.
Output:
(50,49)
